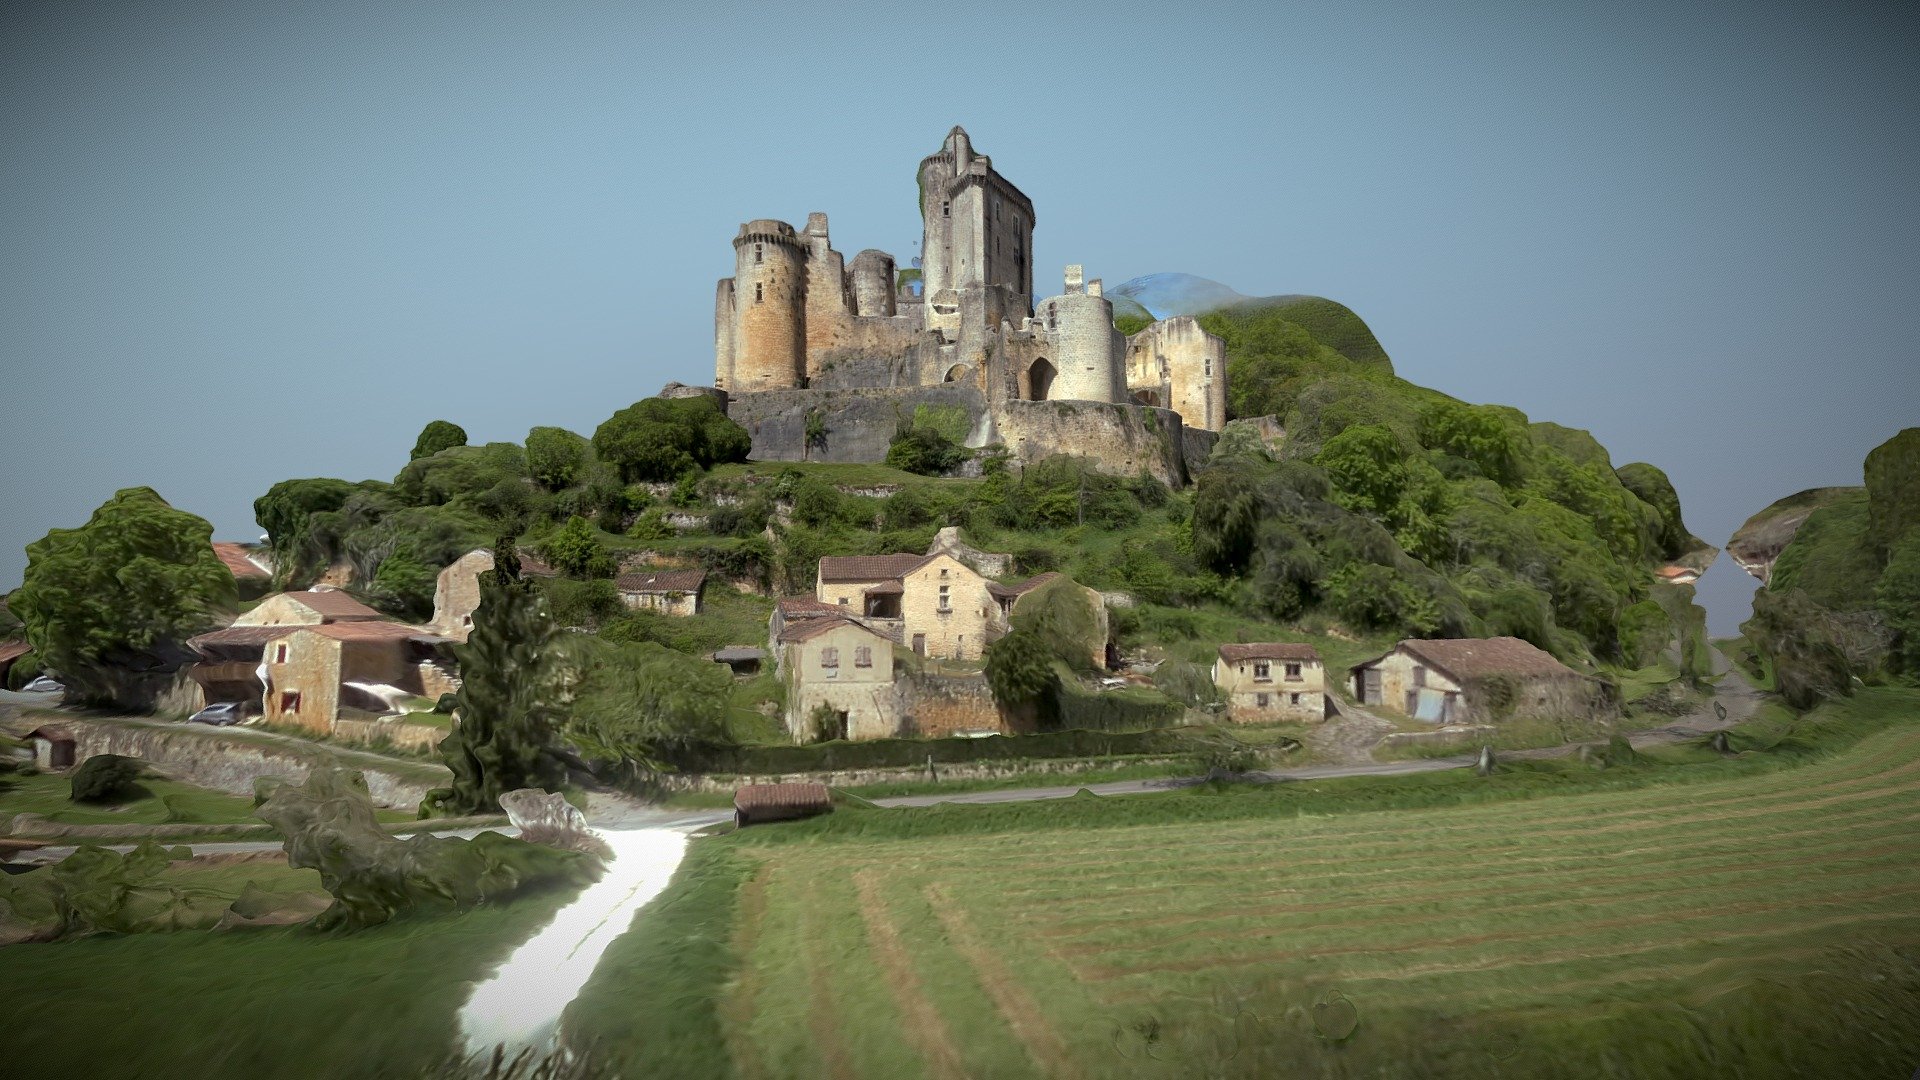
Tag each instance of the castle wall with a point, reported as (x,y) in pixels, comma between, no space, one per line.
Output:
(860,422)
(1084,350)
(872,284)
(724,350)
(1122,439)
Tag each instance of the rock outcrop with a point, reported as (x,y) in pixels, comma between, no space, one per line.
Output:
(1756,544)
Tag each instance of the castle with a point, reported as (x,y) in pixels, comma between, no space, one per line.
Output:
(806,344)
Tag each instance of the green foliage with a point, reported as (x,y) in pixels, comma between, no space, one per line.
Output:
(1893,490)
(1131,709)
(1645,633)
(898,753)
(930,443)
(1800,638)
(511,700)
(660,438)
(1067,619)
(438,435)
(105,777)
(99,600)
(1832,558)
(575,550)
(1898,598)
(1487,436)
(463,475)
(556,457)
(286,507)
(1131,324)
(1651,486)
(1369,596)
(583,603)
(637,705)
(1186,682)
(1020,672)
(1271,359)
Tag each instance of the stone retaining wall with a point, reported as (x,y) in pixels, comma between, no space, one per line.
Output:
(1037,768)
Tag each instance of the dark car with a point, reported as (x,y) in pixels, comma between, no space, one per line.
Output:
(220,714)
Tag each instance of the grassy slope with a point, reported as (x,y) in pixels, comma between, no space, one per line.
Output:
(46,794)
(253,1004)
(1830,558)
(1747,916)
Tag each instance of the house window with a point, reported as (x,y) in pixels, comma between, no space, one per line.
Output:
(279,654)
(290,701)
(1295,699)
(843,601)
(830,657)
(1293,672)
(945,600)
(1260,701)
(1419,675)
(1262,671)
(863,656)
(1206,367)
(943,573)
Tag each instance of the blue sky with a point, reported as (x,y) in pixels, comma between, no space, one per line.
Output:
(239,244)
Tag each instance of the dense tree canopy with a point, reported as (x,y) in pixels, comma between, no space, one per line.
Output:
(112,596)
(438,435)
(662,438)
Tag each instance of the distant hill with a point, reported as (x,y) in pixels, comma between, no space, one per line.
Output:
(1163,296)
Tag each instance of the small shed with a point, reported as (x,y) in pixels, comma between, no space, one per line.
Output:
(740,659)
(53,747)
(11,651)
(755,804)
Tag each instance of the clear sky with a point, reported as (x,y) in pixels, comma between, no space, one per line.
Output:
(243,242)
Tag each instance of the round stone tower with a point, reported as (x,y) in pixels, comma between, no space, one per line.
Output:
(770,308)
(873,277)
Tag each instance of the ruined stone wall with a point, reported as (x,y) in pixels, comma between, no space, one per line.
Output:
(1184,368)
(843,350)
(456,594)
(860,422)
(1122,439)
(872,285)
(937,706)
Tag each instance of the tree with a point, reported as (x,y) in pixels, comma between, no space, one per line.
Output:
(513,692)
(1898,597)
(575,550)
(660,438)
(437,436)
(1020,672)
(105,777)
(286,512)
(1893,489)
(555,456)
(115,598)
(638,704)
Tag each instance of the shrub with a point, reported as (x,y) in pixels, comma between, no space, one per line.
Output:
(438,435)
(104,777)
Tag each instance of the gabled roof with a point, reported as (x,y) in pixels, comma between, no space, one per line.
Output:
(1466,659)
(333,605)
(1020,588)
(13,650)
(225,643)
(808,629)
(806,607)
(662,581)
(1269,650)
(871,567)
(784,796)
(234,556)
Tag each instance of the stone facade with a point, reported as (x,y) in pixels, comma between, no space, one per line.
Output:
(939,706)
(1267,682)
(846,667)
(795,319)
(1174,364)
(934,604)
(306,671)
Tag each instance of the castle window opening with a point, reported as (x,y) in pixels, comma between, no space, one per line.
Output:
(757,249)
(758,293)
(946,209)
(1039,380)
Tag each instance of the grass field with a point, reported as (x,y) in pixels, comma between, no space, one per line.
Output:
(1751,916)
(151,802)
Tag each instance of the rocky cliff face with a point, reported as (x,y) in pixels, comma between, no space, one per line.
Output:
(1756,544)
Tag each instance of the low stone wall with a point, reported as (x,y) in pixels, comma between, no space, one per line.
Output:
(710,783)
(1451,735)
(230,761)
(1124,440)
(400,736)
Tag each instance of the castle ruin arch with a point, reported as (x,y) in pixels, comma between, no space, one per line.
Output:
(1037,381)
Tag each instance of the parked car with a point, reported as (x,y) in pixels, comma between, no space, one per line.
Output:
(220,714)
(45,684)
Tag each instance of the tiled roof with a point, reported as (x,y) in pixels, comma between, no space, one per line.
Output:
(661,581)
(783,796)
(807,629)
(885,588)
(531,565)
(806,607)
(1269,650)
(243,637)
(1021,588)
(13,650)
(334,605)
(869,567)
(235,558)
(1477,658)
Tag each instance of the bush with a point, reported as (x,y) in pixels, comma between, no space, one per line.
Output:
(1186,682)
(661,438)
(438,435)
(925,452)
(104,777)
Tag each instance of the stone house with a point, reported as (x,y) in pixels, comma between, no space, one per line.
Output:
(229,661)
(1474,680)
(670,592)
(935,604)
(791,609)
(845,666)
(11,652)
(312,673)
(1268,681)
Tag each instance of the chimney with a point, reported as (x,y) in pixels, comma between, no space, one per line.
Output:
(1076,273)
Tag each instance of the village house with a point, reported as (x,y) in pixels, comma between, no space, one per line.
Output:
(1270,681)
(11,652)
(313,673)
(790,609)
(1474,680)
(935,604)
(839,676)
(669,592)
(228,667)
